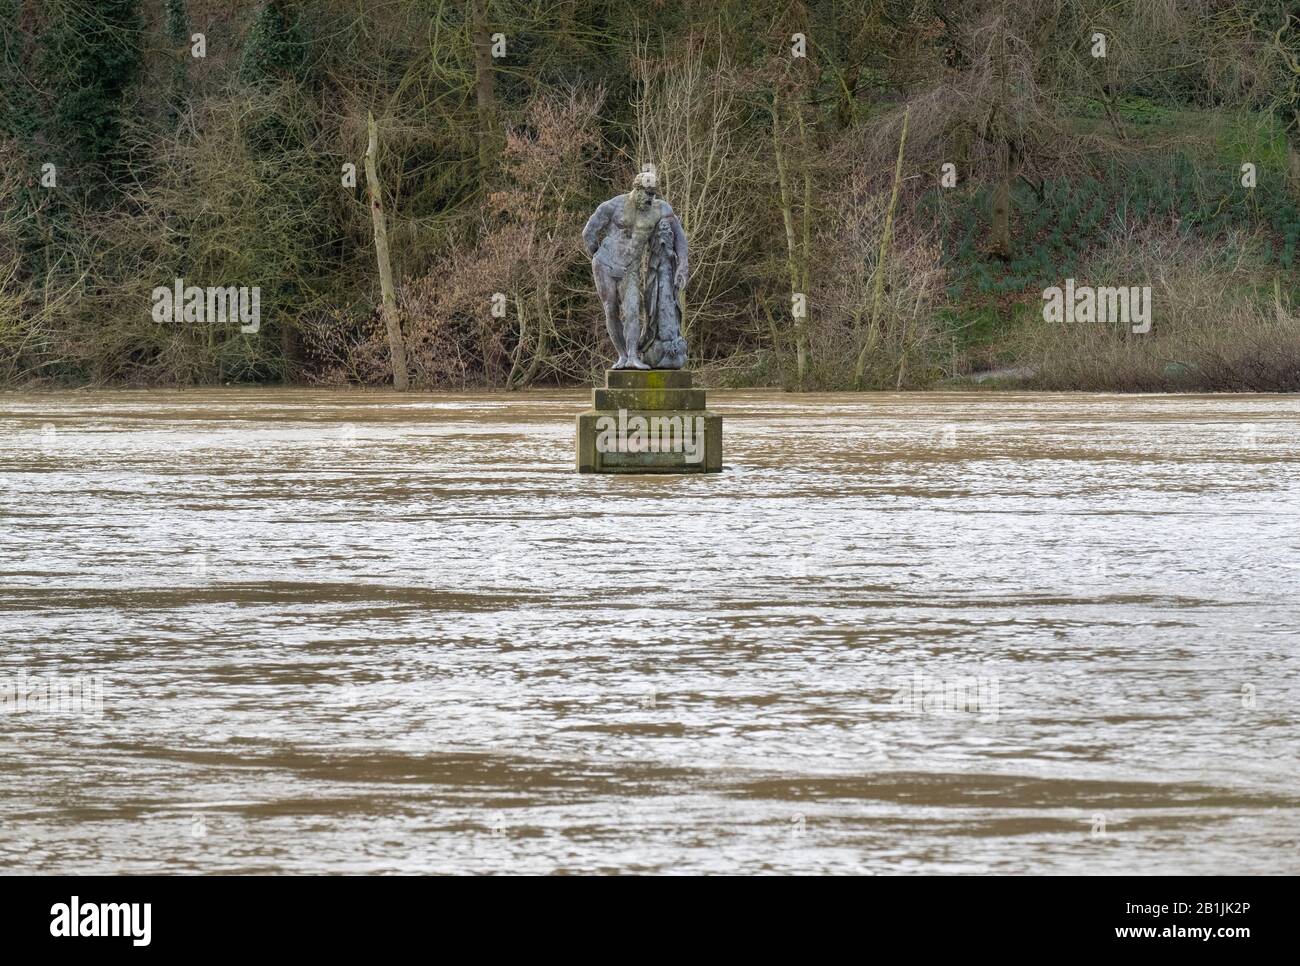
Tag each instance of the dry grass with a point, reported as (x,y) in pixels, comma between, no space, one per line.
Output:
(1218,324)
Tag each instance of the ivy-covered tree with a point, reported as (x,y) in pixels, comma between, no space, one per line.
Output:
(275,47)
(178,35)
(89,56)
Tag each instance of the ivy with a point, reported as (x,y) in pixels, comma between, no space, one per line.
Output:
(88,57)
(275,48)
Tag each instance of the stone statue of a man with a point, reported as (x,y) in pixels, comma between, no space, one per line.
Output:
(618,236)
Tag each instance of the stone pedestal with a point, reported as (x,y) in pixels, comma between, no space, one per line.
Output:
(649,421)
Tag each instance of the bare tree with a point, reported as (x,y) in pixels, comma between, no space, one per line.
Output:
(797,243)
(395,344)
(687,115)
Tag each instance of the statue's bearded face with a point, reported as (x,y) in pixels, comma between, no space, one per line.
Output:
(643,198)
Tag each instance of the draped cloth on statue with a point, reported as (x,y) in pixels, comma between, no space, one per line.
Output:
(661,343)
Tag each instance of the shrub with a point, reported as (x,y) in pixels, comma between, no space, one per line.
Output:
(1217,323)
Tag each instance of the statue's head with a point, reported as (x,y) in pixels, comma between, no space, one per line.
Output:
(643,191)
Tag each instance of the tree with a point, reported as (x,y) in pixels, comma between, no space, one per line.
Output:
(389,299)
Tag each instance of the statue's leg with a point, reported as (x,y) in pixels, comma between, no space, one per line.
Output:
(632,318)
(607,291)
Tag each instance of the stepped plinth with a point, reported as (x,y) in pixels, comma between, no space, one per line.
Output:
(649,421)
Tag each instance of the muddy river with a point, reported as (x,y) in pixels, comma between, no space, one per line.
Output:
(302,631)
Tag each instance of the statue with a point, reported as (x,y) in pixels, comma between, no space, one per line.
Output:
(621,234)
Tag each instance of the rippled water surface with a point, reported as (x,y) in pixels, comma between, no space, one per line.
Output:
(345,632)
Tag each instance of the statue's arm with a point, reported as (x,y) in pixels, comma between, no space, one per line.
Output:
(596,225)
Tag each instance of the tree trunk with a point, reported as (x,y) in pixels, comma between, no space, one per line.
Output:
(178,32)
(791,245)
(484,91)
(395,344)
(1000,237)
(1000,234)
(543,340)
(289,350)
(806,254)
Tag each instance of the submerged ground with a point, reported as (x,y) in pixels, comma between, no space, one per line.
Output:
(375,633)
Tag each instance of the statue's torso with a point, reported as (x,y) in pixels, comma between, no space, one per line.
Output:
(626,239)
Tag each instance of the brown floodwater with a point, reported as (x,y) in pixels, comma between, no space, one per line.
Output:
(942,633)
